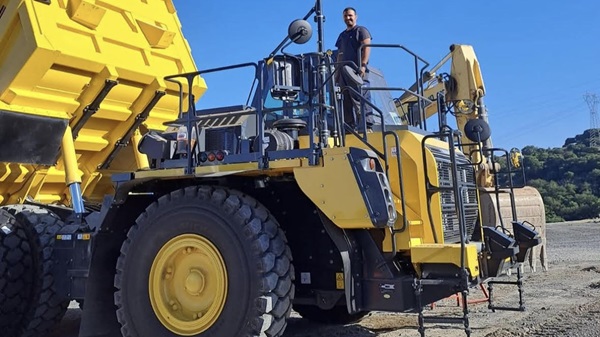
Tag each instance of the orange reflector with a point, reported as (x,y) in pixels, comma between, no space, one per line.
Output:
(372,164)
(211,156)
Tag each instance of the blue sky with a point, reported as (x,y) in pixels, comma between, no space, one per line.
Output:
(538,58)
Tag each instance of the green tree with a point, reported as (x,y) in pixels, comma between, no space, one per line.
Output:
(568,178)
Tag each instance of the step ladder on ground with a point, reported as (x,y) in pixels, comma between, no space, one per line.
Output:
(463,301)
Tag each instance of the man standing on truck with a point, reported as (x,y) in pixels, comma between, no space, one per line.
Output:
(348,44)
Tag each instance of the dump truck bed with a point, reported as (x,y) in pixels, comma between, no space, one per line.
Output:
(57,59)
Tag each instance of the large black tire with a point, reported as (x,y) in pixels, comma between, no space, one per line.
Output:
(259,293)
(47,307)
(17,274)
(337,315)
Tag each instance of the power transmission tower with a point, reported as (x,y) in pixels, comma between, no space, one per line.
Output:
(592,102)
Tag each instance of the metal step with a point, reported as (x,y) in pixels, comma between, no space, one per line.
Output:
(422,319)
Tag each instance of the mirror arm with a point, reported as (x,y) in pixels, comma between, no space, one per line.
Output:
(311,12)
(278,48)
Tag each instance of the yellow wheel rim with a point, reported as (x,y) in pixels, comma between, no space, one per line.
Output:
(188,284)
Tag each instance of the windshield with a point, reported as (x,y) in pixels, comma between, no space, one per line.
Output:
(383,98)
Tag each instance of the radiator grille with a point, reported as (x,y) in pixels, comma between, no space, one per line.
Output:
(466,178)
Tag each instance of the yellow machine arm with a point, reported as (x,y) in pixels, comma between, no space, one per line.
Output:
(463,89)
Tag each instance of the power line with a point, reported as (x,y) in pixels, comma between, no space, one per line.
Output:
(592,102)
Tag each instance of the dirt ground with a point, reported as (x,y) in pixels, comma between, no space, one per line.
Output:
(564,301)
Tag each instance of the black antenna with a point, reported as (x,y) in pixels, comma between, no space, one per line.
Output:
(320,19)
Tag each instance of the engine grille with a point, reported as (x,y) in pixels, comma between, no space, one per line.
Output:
(466,178)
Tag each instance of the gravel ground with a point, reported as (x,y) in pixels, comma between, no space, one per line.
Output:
(564,301)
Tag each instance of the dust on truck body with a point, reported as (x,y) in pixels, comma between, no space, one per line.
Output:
(223,223)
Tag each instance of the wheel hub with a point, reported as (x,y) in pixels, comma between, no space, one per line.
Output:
(194,283)
(188,284)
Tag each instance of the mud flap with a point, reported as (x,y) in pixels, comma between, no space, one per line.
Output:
(99,319)
(500,248)
(526,238)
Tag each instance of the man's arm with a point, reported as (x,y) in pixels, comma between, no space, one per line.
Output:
(364,58)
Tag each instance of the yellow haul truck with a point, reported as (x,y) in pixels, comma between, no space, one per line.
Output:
(224,222)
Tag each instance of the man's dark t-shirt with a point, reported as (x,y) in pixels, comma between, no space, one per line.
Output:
(349,42)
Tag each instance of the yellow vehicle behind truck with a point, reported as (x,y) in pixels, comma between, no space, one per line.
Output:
(164,220)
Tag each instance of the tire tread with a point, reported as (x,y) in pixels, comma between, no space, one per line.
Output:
(268,245)
(47,306)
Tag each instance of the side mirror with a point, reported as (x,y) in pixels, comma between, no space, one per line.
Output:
(300,31)
(516,157)
(477,130)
